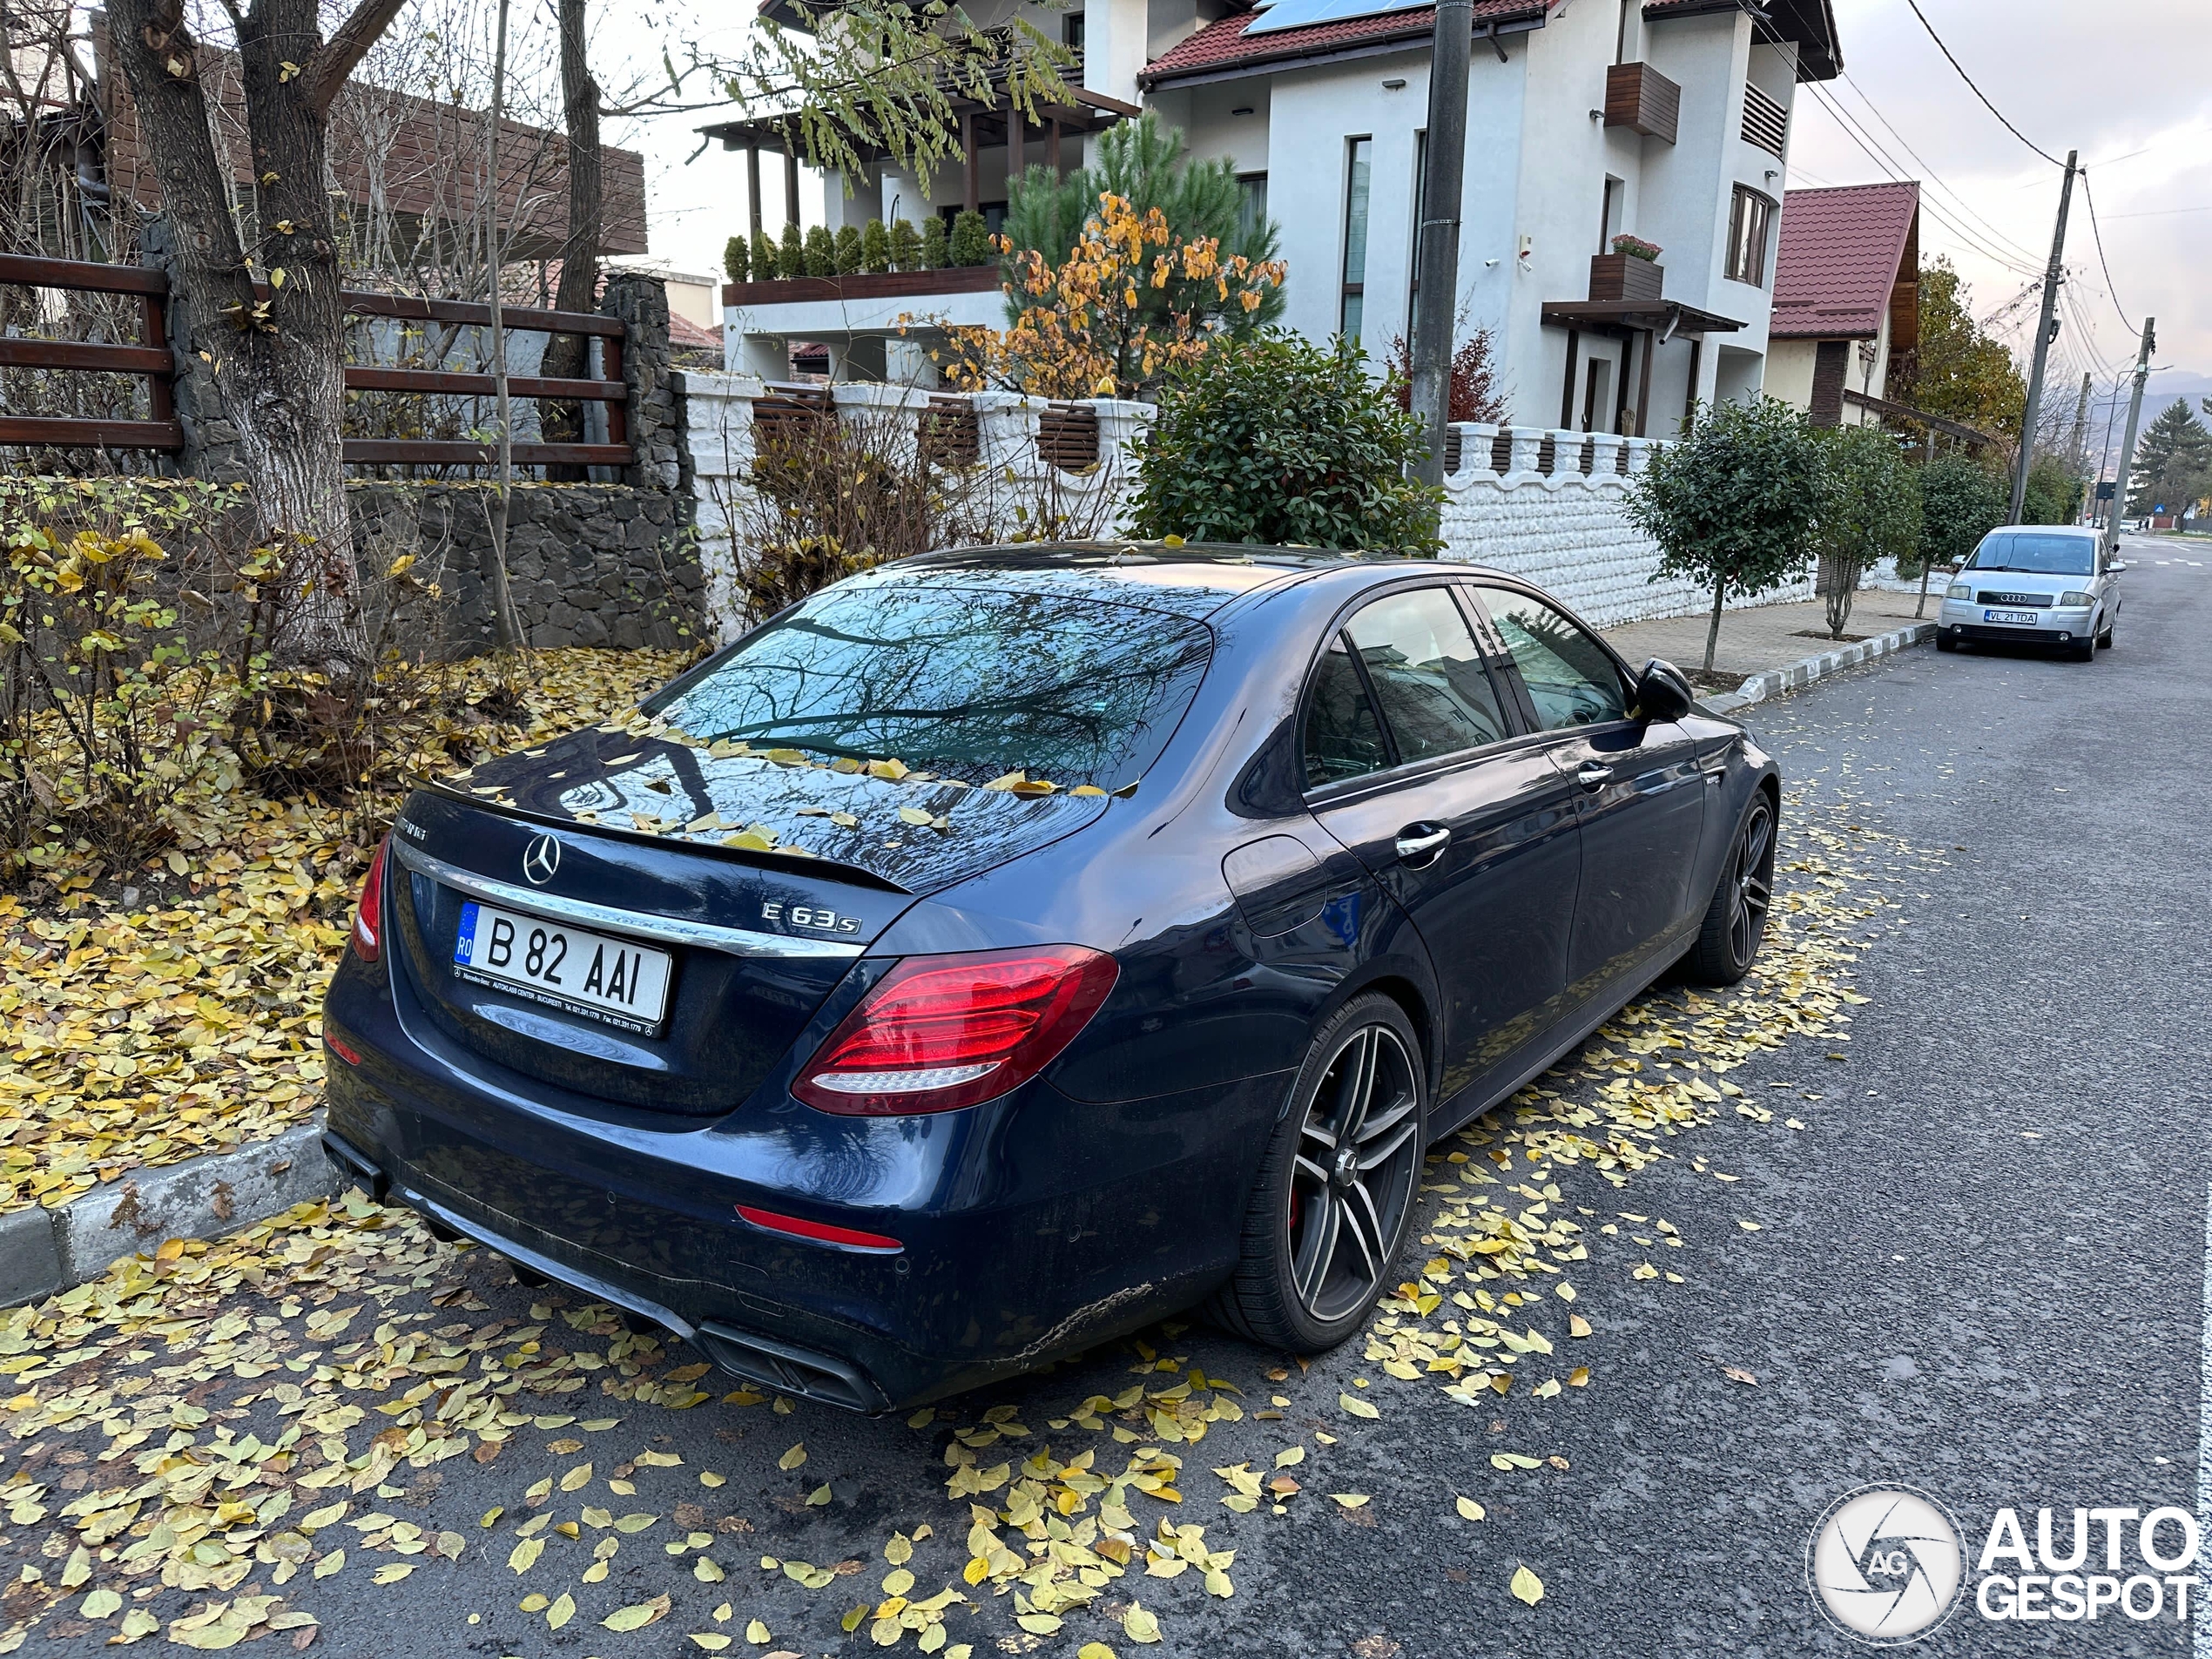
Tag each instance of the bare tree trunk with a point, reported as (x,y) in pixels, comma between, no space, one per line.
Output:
(566,355)
(1713,633)
(279,371)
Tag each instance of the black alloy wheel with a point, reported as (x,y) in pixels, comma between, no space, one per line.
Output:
(1736,920)
(1334,1200)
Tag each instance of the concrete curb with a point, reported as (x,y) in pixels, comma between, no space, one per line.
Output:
(1806,669)
(44,1251)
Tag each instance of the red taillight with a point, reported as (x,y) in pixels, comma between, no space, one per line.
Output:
(343,1050)
(819,1230)
(940,1032)
(368,915)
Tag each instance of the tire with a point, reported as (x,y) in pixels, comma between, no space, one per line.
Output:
(2104,639)
(1330,1212)
(2084,652)
(1946,641)
(1736,920)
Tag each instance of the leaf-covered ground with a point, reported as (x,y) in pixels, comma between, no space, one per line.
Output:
(333,1419)
(183,1013)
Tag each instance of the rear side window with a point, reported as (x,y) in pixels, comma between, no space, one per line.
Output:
(1342,739)
(1571,678)
(1427,673)
(966,680)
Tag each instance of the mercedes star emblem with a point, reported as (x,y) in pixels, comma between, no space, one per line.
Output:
(542,859)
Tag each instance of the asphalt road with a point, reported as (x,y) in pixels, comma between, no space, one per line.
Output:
(1978,1270)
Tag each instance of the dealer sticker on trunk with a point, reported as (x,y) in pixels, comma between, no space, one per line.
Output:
(563,966)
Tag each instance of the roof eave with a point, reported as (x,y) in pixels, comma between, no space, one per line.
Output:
(1299,58)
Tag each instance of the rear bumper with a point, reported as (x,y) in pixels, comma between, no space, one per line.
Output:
(1028,1227)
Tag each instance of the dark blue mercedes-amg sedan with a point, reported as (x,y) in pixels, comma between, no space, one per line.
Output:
(1002,949)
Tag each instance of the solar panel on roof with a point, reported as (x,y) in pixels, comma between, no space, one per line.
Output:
(1299,14)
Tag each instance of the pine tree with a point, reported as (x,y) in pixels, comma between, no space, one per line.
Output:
(737,260)
(875,249)
(906,246)
(2174,462)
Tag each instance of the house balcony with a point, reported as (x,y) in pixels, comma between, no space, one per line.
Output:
(1639,98)
(873,325)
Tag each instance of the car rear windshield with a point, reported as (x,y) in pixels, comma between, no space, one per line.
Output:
(2036,554)
(969,680)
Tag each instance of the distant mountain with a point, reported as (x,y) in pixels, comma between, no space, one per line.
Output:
(2108,413)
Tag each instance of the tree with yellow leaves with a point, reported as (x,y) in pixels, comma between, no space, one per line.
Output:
(1130,303)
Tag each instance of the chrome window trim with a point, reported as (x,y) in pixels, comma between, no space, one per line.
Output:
(739,942)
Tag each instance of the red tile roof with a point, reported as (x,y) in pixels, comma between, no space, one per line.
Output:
(1842,251)
(1225,44)
(683,331)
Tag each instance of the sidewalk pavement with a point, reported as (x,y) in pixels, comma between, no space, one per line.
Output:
(1763,637)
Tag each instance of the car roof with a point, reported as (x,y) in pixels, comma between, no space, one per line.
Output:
(2048,530)
(1194,578)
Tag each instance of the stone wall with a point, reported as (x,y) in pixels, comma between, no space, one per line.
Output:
(588,564)
(1564,529)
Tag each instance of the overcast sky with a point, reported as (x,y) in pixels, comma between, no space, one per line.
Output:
(2122,81)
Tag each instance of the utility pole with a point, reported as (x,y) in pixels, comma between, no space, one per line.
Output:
(2127,443)
(2078,450)
(2044,331)
(1437,314)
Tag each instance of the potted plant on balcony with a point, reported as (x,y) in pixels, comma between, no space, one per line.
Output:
(1629,274)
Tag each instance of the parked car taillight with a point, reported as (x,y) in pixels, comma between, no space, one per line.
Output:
(939,1032)
(368,915)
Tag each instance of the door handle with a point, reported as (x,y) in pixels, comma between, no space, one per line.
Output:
(1593,774)
(1419,845)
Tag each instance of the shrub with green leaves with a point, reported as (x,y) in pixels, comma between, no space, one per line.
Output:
(737,260)
(848,250)
(1962,500)
(1870,510)
(820,259)
(1733,505)
(971,239)
(906,246)
(791,255)
(764,258)
(1278,441)
(936,254)
(875,249)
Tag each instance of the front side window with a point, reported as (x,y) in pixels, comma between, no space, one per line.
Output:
(1571,678)
(1355,236)
(2034,555)
(1427,673)
(1343,738)
(966,679)
(1750,223)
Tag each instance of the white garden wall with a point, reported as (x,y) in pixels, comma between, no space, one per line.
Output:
(1550,512)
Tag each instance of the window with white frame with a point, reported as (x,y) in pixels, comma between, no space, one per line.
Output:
(1359,164)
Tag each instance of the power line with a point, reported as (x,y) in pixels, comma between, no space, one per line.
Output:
(1872,149)
(1977,91)
(2111,288)
(1956,194)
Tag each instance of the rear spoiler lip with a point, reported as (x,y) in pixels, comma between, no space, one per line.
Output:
(858,874)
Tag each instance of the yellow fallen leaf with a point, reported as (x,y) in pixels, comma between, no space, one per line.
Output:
(1526,1587)
(561,1611)
(392,1572)
(712,1641)
(1139,1625)
(793,1458)
(1350,1499)
(578,1477)
(1356,1405)
(1577,1325)
(1469,1510)
(639,1617)
(1285,1459)
(757,1633)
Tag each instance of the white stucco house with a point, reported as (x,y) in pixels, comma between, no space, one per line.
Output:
(1666,120)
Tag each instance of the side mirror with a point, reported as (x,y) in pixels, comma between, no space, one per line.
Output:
(2112,567)
(1661,692)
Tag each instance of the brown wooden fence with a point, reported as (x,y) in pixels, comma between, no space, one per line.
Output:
(151,357)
